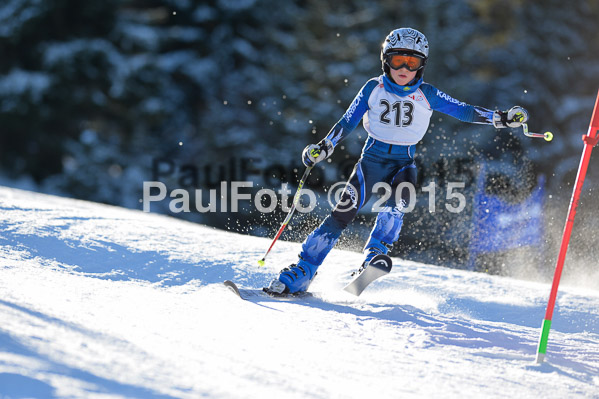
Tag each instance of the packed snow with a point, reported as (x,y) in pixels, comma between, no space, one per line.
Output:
(104,302)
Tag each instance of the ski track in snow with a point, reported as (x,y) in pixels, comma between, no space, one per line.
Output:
(103,302)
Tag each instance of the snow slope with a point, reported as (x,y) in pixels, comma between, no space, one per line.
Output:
(102,302)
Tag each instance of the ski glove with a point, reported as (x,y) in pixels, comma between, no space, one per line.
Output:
(315,153)
(514,117)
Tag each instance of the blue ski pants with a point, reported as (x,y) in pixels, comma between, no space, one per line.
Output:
(379,162)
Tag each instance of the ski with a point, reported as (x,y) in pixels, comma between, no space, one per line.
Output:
(250,294)
(233,287)
(378,266)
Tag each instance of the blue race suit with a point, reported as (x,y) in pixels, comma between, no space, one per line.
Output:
(396,119)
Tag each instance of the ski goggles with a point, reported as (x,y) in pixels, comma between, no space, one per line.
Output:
(411,62)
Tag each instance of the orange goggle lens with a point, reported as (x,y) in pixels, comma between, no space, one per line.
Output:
(412,63)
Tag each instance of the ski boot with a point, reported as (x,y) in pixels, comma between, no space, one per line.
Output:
(294,278)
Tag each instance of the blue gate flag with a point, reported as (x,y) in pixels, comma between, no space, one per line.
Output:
(498,225)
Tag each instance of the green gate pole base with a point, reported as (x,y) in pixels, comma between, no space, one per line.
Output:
(542,349)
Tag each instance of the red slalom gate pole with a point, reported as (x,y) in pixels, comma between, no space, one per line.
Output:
(590,140)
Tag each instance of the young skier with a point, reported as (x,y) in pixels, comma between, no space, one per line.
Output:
(396,108)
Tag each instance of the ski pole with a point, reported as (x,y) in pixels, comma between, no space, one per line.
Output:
(548,136)
(296,198)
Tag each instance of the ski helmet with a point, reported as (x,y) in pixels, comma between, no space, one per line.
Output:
(408,41)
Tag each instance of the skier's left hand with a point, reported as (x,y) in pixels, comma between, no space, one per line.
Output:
(514,117)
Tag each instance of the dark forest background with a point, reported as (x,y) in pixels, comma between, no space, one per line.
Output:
(97,97)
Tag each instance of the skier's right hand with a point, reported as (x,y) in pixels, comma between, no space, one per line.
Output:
(315,153)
